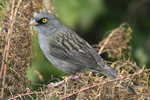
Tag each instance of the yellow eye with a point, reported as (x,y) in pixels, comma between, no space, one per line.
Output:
(44,20)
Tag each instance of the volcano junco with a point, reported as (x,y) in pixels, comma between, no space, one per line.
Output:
(67,50)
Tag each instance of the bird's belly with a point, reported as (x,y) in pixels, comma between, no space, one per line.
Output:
(61,64)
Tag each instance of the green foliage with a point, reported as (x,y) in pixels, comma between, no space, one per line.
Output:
(79,12)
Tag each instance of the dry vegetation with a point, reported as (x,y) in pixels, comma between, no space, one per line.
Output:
(15,50)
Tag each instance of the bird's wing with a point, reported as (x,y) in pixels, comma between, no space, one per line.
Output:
(68,46)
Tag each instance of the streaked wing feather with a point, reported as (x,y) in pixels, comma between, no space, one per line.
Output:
(75,55)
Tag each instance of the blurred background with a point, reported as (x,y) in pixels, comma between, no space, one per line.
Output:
(91,19)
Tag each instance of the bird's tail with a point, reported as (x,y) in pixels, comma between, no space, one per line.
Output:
(112,73)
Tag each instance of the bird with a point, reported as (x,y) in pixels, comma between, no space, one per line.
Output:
(69,52)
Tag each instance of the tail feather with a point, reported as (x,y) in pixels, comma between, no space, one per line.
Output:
(127,86)
(112,73)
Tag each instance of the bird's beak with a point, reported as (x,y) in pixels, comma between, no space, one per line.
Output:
(34,23)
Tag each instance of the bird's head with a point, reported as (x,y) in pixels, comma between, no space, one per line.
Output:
(46,23)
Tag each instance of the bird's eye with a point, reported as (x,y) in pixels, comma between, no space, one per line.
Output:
(44,20)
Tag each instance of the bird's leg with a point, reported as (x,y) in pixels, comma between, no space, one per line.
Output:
(55,84)
(78,78)
(68,78)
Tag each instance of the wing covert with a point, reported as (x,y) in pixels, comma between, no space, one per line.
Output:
(68,46)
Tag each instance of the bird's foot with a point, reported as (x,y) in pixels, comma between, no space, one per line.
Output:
(68,78)
(76,78)
(55,84)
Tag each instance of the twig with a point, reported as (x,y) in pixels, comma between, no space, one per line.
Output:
(110,35)
(3,66)
(7,45)
(69,95)
(28,94)
(6,50)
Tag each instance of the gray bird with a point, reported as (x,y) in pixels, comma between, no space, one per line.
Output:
(68,51)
